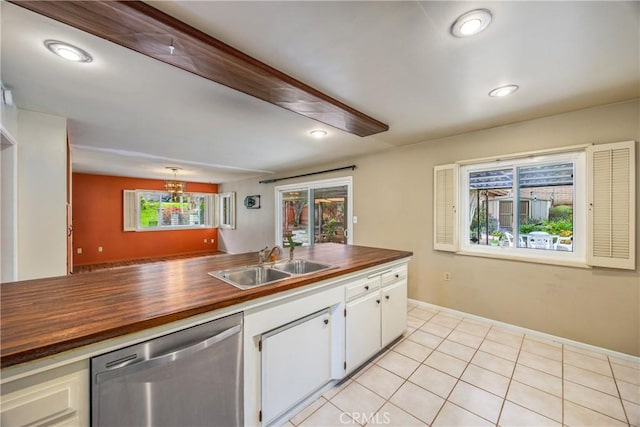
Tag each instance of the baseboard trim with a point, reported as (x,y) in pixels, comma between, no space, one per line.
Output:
(584,346)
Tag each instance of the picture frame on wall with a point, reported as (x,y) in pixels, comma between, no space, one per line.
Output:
(252,202)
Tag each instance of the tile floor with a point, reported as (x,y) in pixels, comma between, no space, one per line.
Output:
(454,371)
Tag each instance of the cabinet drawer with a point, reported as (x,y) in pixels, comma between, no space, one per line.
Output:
(362,287)
(51,403)
(395,275)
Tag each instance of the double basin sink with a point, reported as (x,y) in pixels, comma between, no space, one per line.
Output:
(259,275)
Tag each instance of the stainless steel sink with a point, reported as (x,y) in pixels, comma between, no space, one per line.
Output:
(250,277)
(301,266)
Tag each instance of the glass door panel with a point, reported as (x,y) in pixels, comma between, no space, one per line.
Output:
(330,214)
(295,216)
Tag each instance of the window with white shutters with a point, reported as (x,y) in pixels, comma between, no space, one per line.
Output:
(575,206)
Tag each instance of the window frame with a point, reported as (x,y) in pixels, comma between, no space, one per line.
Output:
(210,214)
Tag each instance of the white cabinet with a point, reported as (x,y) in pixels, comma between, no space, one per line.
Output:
(59,397)
(376,314)
(362,328)
(296,361)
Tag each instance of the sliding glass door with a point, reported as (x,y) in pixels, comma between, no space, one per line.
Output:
(314,212)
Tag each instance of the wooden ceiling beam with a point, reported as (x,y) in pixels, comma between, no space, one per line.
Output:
(144,29)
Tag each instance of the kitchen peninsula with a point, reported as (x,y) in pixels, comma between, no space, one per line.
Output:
(53,323)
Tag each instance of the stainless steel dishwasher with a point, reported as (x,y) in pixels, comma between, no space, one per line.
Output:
(188,378)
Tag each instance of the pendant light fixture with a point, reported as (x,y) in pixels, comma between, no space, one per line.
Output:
(174,187)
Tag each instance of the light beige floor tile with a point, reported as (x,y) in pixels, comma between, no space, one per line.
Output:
(307,411)
(538,379)
(457,350)
(411,305)
(398,364)
(506,337)
(543,340)
(590,379)
(392,416)
(452,415)
(288,424)
(446,363)
(595,400)
(361,370)
(540,363)
(473,328)
(628,391)
(477,401)
(418,402)
(516,415)
(486,380)
(357,399)
(445,319)
(424,338)
(583,361)
(624,373)
(328,415)
(433,380)
(542,349)
(493,363)
(415,322)
(413,350)
(584,351)
(535,400)
(436,329)
(500,350)
(579,416)
(337,389)
(469,340)
(633,412)
(422,313)
(380,381)
(624,362)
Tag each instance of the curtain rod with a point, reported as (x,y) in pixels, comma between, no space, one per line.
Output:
(269,181)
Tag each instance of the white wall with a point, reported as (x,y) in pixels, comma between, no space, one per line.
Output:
(393,199)
(42,195)
(255,228)
(8,194)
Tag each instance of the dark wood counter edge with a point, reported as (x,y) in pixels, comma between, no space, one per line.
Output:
(19,357)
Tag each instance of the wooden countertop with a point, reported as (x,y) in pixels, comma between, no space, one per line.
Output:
(43,317)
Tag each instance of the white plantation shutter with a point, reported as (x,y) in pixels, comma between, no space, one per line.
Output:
(445,212)
(129,210)
(611,215)
(211,209)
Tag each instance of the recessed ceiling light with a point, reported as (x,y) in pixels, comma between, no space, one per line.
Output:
(471,23)
(503,91)
(318,133)
(67,51)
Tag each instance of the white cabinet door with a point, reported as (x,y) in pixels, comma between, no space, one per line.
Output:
(394,311)
(362,329)
(296,361)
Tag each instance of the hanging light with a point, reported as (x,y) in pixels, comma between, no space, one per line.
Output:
(174,187)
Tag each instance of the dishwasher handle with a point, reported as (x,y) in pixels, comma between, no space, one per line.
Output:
(127,368)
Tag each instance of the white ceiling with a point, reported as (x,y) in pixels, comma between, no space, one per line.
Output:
(395,61)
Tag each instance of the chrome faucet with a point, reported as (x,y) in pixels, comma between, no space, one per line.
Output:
(265,256)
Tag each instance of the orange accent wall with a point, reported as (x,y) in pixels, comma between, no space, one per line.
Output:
(97,221)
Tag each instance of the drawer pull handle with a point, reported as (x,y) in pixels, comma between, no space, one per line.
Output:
(387,296)
(326,321)
(366,288)
(378,301)
(397,276)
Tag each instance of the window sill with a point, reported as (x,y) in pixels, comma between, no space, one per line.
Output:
(574,263)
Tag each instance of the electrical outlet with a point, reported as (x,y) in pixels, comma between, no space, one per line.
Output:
(99,248)
(79,250)
(205,240)
(213,241)
(355,219)
(446,276)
